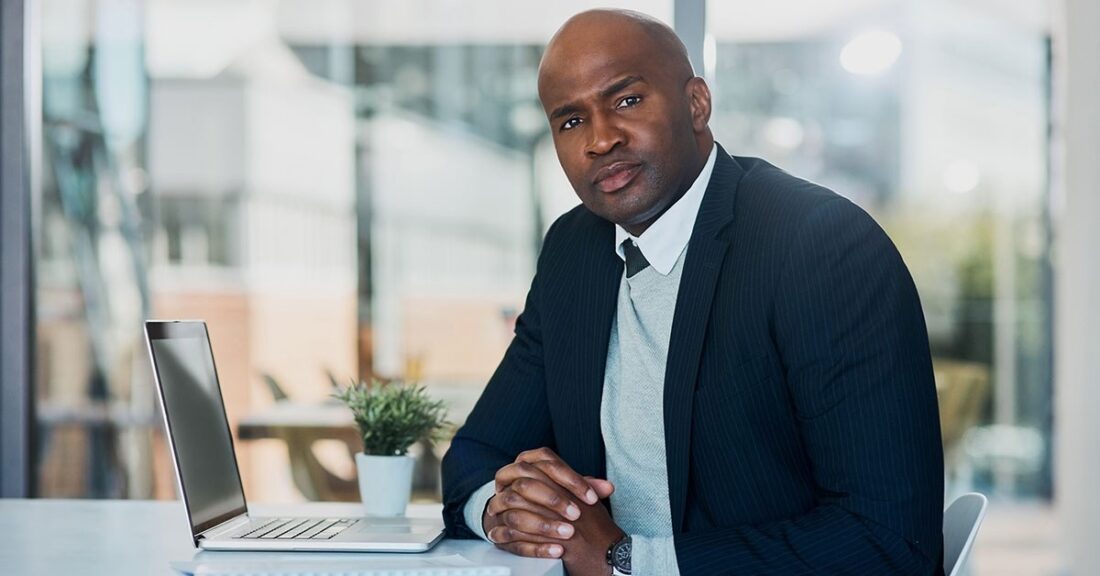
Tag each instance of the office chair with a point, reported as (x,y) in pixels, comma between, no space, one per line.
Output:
(960,526)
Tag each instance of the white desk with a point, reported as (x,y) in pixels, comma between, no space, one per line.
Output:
(140,538)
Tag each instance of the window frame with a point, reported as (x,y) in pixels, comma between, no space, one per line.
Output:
(18,84)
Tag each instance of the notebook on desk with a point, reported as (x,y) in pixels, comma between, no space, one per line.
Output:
(206,465)
(472,571)
(449,565)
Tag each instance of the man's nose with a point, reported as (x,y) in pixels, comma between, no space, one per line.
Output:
(604,136)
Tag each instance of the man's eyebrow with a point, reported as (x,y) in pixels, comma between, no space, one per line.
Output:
(620,84)
(564,110)
(616,86)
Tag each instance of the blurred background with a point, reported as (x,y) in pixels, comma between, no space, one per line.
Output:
(348,188)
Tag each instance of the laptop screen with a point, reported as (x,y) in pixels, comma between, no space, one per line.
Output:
(196,422)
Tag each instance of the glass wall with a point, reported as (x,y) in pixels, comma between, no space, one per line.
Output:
(932,116)
(347,188)
(340,189)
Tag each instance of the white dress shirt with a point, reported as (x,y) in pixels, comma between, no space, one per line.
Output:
(665,239)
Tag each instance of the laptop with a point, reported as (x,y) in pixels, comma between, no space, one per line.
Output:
(207,472)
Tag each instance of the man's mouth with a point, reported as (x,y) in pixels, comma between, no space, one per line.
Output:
(616,176)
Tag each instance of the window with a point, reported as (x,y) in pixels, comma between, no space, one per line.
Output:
(358,187)
(339,189)
(932,116)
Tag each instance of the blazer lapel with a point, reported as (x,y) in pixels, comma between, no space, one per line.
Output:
(597,294)
(703,262)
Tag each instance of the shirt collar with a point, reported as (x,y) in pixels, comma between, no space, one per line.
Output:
(664,240)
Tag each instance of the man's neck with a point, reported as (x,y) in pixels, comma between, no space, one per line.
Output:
(636,230)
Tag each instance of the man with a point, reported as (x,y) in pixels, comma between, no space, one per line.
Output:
(720,368)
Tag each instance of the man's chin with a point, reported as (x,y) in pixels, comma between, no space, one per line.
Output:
(624,208)
(631,220)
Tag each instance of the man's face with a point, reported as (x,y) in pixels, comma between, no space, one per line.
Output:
(622,123)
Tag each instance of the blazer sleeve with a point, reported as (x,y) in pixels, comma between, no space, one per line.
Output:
(848,325)
(511,415)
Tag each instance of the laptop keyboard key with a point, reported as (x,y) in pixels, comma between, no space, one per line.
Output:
(254,528)
(274,527)
(315,529)
(334,529)
(299,529)
(287,528)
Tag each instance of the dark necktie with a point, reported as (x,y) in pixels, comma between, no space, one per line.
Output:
(635,262)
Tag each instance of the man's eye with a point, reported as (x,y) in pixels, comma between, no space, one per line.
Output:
(570,123)
(629,101)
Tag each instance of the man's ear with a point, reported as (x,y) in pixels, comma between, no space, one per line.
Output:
(698,94)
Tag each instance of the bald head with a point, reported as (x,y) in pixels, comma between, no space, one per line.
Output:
(589,30)
(628,115)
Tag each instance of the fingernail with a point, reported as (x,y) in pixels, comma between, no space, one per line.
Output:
(590,497)
(565,530)
(555,551)
(572,512)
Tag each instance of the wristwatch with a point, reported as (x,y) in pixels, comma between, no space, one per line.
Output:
(618,557)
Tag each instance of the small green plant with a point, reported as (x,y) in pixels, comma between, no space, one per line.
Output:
(393,415)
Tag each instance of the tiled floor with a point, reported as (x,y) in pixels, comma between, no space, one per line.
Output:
(1017,539)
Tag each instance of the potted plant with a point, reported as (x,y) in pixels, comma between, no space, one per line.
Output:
(391,415)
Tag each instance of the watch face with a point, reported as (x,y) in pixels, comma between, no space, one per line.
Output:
(621,556)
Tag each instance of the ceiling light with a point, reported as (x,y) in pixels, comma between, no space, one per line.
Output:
(871,52)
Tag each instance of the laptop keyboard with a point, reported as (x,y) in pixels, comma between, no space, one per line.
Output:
(295,528)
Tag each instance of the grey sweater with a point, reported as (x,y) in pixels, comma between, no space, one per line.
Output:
(632,416)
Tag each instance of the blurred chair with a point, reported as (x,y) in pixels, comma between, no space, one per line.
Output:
(311,477)
(274,388)
(962,389)
(961,521)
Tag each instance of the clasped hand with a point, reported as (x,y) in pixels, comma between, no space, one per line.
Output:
(543,508)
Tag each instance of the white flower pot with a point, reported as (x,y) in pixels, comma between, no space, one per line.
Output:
(385,483)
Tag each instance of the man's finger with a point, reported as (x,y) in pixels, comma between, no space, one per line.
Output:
(524,472)
(604,488)
(509,500)
(550,496)
(530,523)
(510,473)
(532,550)
(502,534)
(558,471)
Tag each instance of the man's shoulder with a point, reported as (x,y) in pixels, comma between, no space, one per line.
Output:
(778,201)
(764,185)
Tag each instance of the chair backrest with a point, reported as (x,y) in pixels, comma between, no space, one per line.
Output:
(960,525)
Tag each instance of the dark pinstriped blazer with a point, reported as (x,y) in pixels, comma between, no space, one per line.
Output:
(802,430)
